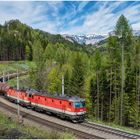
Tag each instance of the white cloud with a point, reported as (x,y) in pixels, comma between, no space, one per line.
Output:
(104,20)
(38,15)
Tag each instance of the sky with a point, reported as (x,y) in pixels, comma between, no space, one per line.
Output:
(71,17)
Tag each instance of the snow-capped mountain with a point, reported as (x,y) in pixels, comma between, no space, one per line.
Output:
(87,39)
(91,38)
(136,32)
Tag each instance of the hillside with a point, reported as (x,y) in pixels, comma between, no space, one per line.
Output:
(106,74)
(18,39)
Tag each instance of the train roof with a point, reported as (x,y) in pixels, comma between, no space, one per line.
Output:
(57,95)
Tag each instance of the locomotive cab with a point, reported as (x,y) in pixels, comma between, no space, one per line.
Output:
(79,110)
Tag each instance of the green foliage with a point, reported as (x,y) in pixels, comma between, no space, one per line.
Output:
(17,41)
(54,81)
(94,74)
(77,78)
(89,95)
(10,129)
(124,31)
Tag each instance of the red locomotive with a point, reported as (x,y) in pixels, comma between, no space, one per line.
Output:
(72,108)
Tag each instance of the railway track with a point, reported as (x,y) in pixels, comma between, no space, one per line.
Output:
(13,75)
(111,130)
(102,129)
(50,124)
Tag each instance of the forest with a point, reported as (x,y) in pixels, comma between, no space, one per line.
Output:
(109,78)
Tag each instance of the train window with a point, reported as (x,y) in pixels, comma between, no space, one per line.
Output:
(60,102)
(78,105)
(83,103)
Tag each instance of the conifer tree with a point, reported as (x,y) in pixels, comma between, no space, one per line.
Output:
(77,78)
(124,33)
(98,70)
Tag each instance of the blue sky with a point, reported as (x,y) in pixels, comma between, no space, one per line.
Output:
(71,17)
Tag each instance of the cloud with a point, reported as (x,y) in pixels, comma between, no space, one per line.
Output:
(104,19)
(72,17)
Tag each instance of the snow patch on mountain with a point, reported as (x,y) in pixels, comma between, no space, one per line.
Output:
(91,38)
(85,39)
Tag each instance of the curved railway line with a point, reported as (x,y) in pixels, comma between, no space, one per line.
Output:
(50,124)
(80,134)
(12,75)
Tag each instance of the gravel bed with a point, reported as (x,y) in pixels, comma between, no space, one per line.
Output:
(58,121)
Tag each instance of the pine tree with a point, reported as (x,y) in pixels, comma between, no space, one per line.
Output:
(89,95)
(98,69)
(113,77)
(124,33)
(77,78)
(54,81)
(67,82)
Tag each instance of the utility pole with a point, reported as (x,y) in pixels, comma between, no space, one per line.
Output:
(62,85)
(8,76)
(18,109)
(3,77)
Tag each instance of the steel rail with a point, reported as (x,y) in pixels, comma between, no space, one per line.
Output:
(50,124)
(111,130)
(13,75)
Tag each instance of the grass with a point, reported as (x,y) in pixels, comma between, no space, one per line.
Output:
(10,129)
(130,129)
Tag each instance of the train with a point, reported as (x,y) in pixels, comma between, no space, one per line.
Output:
(65,107)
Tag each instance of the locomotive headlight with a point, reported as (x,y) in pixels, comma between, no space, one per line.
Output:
(68,109)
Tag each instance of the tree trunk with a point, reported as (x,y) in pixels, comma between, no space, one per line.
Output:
(97,77)
(110,96)
(122,85)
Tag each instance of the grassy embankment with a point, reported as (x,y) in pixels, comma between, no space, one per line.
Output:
(10,129)
(134,130)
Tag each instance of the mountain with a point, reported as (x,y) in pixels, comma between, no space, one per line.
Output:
(18,40)
(85,39)
(91,38)
(136,32)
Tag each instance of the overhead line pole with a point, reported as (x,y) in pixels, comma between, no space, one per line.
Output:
(62,85)
(3,77)
(18,109)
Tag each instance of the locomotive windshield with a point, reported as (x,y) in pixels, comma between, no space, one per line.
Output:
(79,104)
(83,103)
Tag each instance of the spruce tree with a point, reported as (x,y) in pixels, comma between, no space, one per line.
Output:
(98,70)
(124,33)
(77,78)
